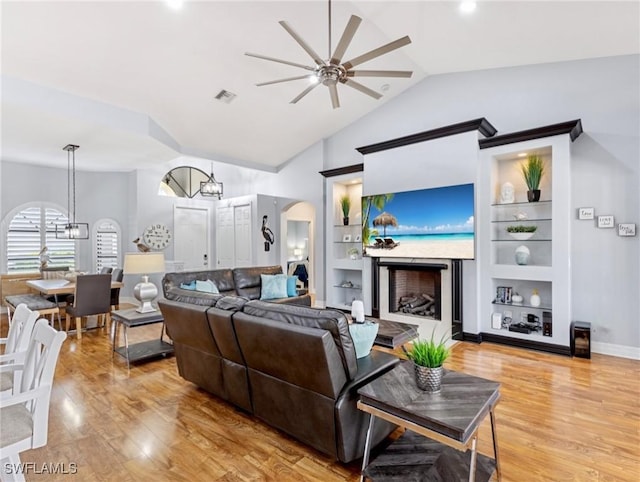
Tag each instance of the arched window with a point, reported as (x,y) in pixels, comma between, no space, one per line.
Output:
(32,229)
(106,246)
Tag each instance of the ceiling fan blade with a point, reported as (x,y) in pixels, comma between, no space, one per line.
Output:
(345,40)
(304,92)
(283,80)
(316,58)
(361,88)
(264,57)
(372,54)
(333,90)
(379,73)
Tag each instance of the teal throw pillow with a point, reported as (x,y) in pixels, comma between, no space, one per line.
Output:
(292,290)
(207,286)
(188,286)
(273,286)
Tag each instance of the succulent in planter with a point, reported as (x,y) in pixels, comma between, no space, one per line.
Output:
(532,171)
(428,357)
(521,228)
(521,232)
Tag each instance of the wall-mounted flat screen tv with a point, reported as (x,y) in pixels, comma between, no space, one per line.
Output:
(427,223)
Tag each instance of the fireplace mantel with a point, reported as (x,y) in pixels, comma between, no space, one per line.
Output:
(414,266)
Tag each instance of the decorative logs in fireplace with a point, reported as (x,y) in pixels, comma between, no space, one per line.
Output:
(421,304)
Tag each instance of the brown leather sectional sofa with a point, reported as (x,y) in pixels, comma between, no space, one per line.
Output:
(293,367)
(244,282)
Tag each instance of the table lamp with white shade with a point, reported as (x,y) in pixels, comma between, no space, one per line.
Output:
(144,264)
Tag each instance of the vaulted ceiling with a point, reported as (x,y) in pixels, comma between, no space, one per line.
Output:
(134,83)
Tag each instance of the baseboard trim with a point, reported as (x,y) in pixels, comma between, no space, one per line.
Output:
(529,344)
(471,337)
(621,351)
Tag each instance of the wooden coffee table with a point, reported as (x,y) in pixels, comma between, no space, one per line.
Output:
(442,427)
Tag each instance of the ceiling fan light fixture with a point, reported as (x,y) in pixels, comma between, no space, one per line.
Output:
(333,71)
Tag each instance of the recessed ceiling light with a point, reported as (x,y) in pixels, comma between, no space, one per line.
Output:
(175,4)
(467,6)
(522,154)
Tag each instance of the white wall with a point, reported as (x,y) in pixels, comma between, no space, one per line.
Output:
(603,93)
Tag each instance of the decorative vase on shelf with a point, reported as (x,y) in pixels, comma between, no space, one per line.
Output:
(345,221)
(517,299)
(535,299)
(522,255)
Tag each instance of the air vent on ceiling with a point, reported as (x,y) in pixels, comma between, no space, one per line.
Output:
(225,96)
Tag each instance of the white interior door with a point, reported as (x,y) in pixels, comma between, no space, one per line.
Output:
(191,237)
(225,237)
(242,231)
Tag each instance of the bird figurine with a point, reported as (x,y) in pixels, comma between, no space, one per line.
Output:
(143,248)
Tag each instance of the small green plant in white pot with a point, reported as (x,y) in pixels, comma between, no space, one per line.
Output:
(428,357)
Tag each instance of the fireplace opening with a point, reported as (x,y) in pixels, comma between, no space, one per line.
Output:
(415,292)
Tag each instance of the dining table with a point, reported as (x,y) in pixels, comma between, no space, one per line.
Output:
(61,286)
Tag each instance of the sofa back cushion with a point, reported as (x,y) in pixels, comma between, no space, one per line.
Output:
(331,320)
(247,280)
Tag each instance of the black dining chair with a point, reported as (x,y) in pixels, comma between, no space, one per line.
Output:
(92,297)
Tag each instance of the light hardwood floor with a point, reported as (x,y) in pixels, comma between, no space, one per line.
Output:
(559,419)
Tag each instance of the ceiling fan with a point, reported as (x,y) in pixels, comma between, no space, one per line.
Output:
(330,72)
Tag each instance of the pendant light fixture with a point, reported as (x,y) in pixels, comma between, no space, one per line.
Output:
(211,187)
(71,230)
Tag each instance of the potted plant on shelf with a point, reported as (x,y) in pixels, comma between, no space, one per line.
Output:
(428,357)
(345,206)
(533,170)
(521,232)
(353,253)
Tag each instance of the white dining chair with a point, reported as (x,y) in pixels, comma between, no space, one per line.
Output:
(24,416)
(16,344)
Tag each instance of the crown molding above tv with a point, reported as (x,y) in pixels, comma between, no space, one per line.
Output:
(573,128)
(482,125)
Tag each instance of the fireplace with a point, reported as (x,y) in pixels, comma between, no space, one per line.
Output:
(422,292)
(415,292)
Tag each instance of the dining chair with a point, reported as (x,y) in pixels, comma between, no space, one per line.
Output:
(24,416)
(106,270)
(92,297)
(16,344)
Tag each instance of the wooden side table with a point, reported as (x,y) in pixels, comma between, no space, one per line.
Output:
(448,419)
(130,318)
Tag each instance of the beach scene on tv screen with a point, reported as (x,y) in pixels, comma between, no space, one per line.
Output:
(427,223)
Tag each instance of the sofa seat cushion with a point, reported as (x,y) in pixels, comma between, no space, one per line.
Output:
(332,320)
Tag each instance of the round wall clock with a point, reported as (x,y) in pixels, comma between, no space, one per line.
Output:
(157,236)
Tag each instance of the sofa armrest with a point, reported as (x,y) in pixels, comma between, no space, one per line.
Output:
(351,423)
(371,367)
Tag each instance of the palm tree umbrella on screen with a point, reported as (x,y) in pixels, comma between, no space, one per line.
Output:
(385,219)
